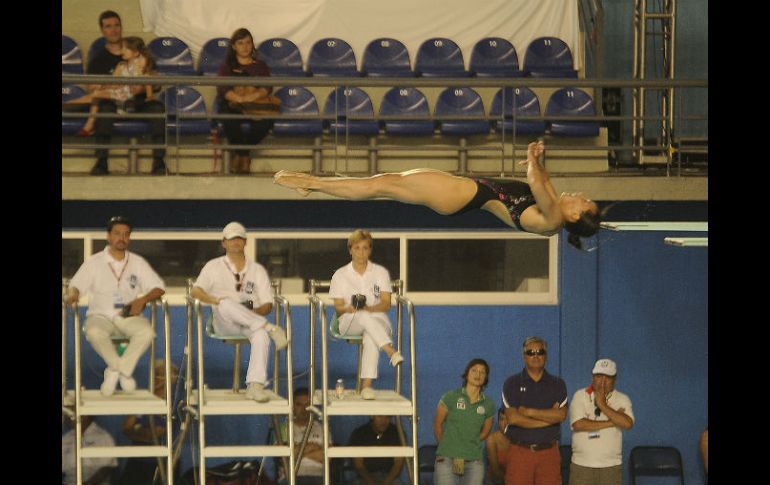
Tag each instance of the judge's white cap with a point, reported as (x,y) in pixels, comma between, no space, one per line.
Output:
(234,229)
(606,367)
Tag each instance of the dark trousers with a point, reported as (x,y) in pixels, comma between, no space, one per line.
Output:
(104,127)
(258,129)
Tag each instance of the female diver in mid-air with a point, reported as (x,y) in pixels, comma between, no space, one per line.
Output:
(531,206)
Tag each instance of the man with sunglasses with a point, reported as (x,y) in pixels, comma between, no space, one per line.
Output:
(240,294)
(120,283)
(535,405)
(599,414)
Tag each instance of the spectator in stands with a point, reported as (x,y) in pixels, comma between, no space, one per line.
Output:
(361,292)
(137,61)
(464,418)
(105,62)
(377,471)
(241,295)
(599,414)
(497,451)
(95,471)
(533,206)
(149,430)
(242,60)
(535,405)
(116,278)
(311,463)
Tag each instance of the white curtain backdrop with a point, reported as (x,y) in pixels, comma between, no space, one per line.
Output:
(360,21)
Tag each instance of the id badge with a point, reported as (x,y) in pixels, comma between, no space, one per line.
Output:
(593,435)
(117,300)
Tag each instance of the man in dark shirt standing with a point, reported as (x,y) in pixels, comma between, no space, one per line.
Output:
(104,62)
(535,404)
(377,471)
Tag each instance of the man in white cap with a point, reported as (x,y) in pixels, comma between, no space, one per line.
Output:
(598,414)
(240,294)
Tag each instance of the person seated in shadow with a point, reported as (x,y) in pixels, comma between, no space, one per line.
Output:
(95,471)
(497,450)
(149,430)
(379,431)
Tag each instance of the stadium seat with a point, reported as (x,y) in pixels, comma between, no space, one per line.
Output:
(461,102)
(71,56)
(656,461)
(526,104)
(495,57)
(350,101)
(172,56)
(549,57)
(185,100)
(571,102)
(212,55)
(386,57)
(96,45)
(296,100)
(70,126)
(282,57)
(440,57)
(408,103)
(332,57)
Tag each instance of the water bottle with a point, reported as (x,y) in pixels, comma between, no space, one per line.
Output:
(339,389)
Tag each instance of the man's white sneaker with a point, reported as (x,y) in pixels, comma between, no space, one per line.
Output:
(367,393)
(278,335)
(396,358)
(127,383)
(110,381)
(256,392)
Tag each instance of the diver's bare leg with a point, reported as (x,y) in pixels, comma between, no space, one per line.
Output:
(441,191)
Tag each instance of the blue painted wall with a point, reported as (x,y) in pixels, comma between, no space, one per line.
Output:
(634,299)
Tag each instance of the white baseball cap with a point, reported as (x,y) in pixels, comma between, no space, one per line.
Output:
(234,229)
(606,367)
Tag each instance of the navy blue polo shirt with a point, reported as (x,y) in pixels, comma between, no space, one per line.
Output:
(521,390)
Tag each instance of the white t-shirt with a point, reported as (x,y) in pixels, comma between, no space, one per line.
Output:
(112,283)
(218,279)
(94,435)
(347,282)
(308,467)
(602,448)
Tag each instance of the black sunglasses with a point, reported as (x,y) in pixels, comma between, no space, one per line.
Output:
(531,352)
(237,281)
(597,411)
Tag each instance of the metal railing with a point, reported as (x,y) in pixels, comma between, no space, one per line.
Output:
(510,146)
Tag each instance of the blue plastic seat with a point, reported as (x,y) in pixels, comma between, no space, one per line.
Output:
(521,101)
(549,57)
(172,56)
(332,57)
(212,56)
(96,45)
(495,57)
(185,100)
(386,57)
(406,102)
(71,56)
(461,102)
(345,102)
(571,102)
(296,100)
(282,57)
(440,57)
(70,126)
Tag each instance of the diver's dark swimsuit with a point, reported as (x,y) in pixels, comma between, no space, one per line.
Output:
(514,194)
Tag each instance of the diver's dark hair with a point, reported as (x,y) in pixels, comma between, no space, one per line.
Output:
(586,226)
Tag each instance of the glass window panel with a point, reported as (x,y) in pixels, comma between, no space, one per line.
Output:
(478,265)
(71,256)
(303,259)
(174,261)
